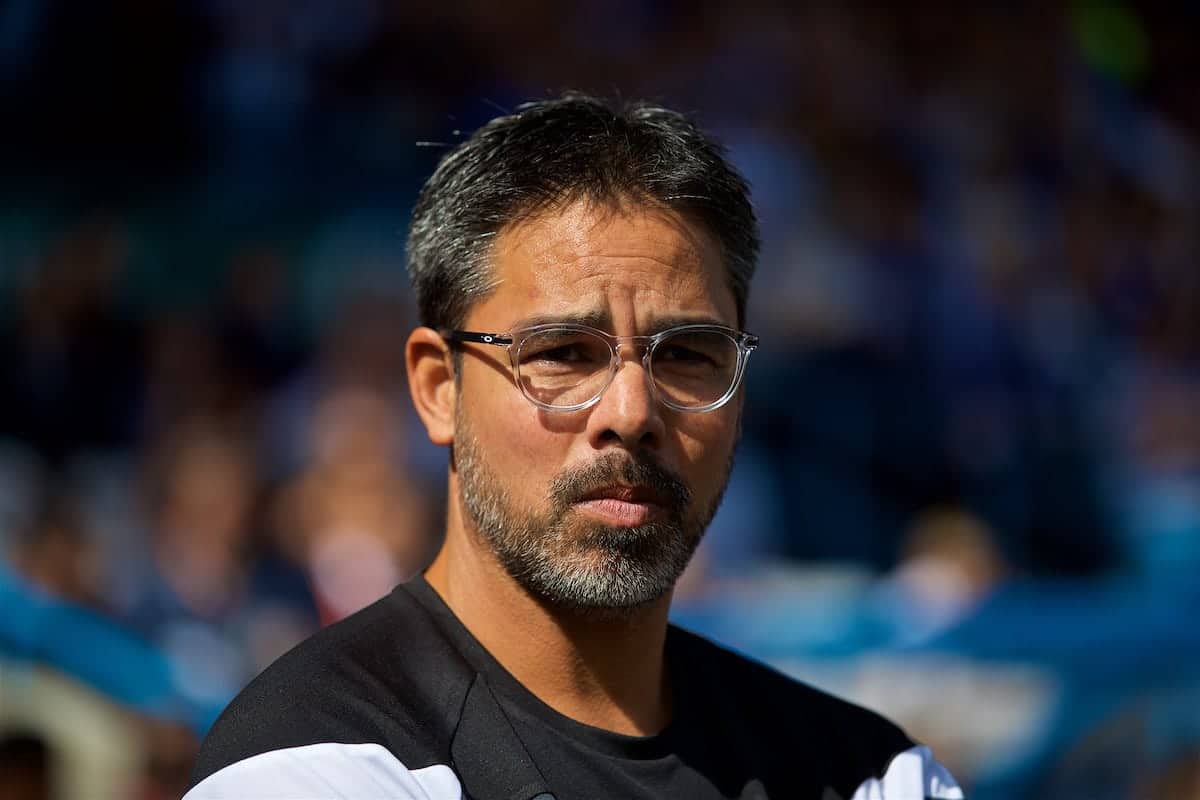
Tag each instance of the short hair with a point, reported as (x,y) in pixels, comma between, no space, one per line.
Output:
(551,152)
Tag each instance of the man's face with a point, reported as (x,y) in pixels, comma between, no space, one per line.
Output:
(596,510)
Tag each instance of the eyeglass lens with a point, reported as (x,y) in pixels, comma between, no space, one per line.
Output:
(563,368)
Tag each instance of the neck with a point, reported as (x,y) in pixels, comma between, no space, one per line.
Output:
(604,672)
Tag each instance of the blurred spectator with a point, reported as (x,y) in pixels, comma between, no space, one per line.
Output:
(201,498)
(950,564)
(58,555)
(353,516)
(217,600)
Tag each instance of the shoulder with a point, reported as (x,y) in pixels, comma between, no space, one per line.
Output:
(330,771)
(798,728)
(764,693)
(384,677)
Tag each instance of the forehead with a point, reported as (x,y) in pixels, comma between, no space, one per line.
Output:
(615,265)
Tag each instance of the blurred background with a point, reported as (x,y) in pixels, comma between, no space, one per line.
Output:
(969,488)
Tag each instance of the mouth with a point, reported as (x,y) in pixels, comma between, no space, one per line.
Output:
(622,505)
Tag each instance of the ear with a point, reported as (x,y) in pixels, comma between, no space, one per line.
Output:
(431,383)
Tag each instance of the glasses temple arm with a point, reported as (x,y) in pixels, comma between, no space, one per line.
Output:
(498,339)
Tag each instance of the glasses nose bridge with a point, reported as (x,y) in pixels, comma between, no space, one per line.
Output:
(645,343)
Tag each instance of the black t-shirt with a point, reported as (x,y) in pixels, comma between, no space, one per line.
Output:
(400,701)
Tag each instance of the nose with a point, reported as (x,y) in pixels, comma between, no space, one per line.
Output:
(627,414)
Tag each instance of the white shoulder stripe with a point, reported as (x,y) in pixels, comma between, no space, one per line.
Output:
(912,775)
(327,771)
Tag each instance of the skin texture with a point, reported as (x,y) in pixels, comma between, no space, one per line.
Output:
(635,270)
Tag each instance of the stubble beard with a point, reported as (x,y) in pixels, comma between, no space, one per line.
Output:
(576,563)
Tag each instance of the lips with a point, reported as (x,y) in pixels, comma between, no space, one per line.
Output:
(622,505)
(626,494)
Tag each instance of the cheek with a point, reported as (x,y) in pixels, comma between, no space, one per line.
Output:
(515,442)
(706,442)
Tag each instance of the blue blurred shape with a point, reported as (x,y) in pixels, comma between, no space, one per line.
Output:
(38,627)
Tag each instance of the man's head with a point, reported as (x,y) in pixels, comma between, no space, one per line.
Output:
(632,223)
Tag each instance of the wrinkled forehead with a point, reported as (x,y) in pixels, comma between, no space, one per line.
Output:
(596,259)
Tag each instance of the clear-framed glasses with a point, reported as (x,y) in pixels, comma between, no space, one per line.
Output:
(567,367)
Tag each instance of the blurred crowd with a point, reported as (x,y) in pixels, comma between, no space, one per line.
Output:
(979,301)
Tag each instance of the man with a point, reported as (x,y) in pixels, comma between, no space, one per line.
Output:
(582,276)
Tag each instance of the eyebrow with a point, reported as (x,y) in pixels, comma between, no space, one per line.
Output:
(603,321)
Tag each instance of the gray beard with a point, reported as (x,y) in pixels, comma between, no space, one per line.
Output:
(575,563)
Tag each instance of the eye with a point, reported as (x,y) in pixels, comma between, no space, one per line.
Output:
(561,350)
(682,354)
(562,354)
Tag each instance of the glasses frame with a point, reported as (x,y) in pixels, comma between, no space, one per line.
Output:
(514,340)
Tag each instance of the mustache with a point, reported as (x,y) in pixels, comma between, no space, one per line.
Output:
(639,470)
